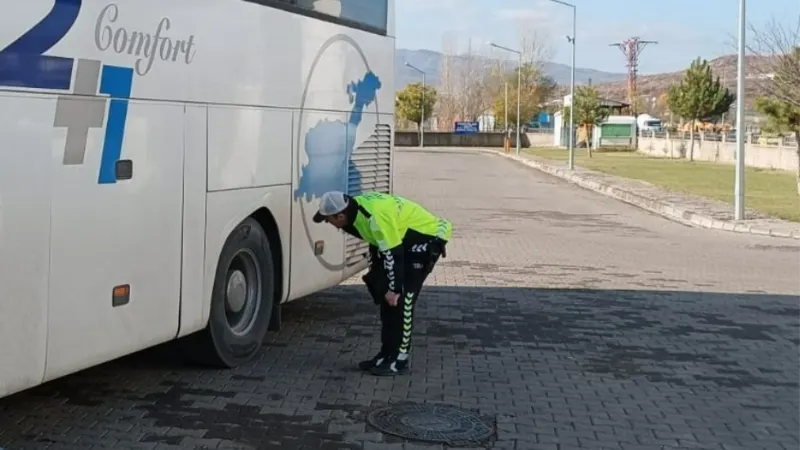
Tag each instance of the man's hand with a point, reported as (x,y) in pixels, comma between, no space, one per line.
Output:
(392,298)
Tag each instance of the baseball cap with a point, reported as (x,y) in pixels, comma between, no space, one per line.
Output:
(331,202)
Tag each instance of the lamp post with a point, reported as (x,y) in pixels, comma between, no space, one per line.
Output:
(740,136)
(422,106)
(571,40)
(505,122)
(519,83)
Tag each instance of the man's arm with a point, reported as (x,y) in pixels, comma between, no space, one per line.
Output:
(390,245)
(373,256)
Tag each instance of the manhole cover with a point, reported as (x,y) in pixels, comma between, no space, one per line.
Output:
(432,423)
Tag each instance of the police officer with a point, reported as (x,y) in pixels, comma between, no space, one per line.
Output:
(405,242)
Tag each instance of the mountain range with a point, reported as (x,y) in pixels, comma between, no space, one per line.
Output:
(430,62)
(610,85)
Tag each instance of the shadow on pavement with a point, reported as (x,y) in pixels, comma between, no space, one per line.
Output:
(661,368)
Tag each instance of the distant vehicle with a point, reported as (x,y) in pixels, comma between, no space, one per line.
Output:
(161,163)
(646,122)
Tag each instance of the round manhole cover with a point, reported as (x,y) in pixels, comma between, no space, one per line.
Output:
(432,423)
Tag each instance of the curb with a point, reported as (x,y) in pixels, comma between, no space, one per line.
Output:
(669,211)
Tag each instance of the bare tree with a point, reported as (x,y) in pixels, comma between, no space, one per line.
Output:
(774,65)
(535,44)
(462,82)
(469,83)
(472,79)
(446,109)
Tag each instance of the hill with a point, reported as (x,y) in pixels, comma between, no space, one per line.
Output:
(656,84)
(431,63)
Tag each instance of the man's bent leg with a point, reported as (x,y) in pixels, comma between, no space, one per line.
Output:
(377,286)
(386,339)
(403,318)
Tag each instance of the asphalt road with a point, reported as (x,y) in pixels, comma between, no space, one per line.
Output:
(574,320)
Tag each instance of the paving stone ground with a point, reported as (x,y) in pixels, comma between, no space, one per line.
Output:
(577,321)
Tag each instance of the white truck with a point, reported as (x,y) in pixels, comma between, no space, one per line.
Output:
(646,122)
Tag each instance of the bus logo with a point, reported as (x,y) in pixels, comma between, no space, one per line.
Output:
(82,106)
(84,109)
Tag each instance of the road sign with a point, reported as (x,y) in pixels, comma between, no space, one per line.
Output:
(467,127)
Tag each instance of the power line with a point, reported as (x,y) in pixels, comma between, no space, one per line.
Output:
(632,48)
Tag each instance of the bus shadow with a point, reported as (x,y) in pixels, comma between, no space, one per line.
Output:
(724,344)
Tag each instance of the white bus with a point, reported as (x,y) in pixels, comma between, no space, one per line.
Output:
(160,162)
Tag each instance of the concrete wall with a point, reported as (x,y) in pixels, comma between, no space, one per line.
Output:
(449,139)
(544,139)
(765,157)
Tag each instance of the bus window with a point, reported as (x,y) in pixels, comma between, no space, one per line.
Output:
(367,15)
(368,12)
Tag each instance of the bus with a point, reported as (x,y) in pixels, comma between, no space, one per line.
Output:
(160,165)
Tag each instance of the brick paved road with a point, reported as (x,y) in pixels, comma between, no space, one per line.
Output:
(578,321)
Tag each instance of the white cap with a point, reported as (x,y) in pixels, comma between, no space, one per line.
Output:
(331,202)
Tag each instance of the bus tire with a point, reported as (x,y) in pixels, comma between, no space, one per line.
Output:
(242,299)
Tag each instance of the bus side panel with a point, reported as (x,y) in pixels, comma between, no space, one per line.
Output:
(194,219)
(26,127)
(126,232)
(248,147)
(226,209)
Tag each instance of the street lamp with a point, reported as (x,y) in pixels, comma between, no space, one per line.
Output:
(571,83)
(422,106)
(740,136)
(519,83)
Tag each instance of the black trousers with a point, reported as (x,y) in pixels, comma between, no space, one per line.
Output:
(397,322)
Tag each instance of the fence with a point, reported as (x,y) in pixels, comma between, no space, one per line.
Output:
(537,138)
(760,151)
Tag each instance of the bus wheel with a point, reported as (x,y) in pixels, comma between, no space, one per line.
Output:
(242,299)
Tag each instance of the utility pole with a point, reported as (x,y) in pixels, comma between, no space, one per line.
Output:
(505,122)
(519,84)
(422,106)
(740,136)
(571,40)
(632,48)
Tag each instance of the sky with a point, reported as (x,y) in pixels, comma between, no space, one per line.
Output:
(684,29)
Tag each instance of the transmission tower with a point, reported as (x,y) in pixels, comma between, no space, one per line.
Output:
(632,49)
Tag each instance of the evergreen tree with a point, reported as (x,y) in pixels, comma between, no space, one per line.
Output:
(589,111)
(699,96)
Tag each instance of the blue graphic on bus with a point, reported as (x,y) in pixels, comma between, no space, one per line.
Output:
(330,144)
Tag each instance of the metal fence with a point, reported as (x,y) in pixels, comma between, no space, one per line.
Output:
(729,137)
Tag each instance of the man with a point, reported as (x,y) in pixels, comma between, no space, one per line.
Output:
(407,240)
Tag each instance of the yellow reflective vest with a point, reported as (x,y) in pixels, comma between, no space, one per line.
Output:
(390,223)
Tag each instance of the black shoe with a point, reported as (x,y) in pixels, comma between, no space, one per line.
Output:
(390,367)
(370,363)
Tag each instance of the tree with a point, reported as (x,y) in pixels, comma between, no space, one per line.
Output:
(589,111)
(775,61)
(462,81)
(776,66)
(471,81)
(411,103)
(535,88)
(783,118)
(699,96)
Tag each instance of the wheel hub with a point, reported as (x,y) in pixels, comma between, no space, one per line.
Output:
(236,292)
(242,292)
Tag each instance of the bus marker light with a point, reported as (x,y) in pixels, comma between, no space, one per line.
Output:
(121,295)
